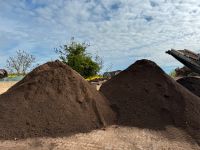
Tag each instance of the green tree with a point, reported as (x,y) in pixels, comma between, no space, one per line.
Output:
(74,55)
(173,73)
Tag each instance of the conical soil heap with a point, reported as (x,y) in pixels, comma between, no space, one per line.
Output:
(52,100)
(144,96)
(191,83)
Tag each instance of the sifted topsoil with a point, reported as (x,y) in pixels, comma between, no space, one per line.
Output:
(53,100)
(191,83)
(144,96)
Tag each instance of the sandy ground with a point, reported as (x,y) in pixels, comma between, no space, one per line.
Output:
(4,86)
(112,138)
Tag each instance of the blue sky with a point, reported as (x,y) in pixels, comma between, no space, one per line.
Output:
(120,31)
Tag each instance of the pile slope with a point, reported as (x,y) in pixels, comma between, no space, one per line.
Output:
(144,96)
(191,83)
(52,100)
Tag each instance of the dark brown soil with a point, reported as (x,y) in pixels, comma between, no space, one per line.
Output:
(52,100)
(182,72)
(144,96)
(191,83)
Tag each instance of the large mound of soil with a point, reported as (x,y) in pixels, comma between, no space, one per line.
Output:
(182,72)
(144,96)
(53,100)
(191,83)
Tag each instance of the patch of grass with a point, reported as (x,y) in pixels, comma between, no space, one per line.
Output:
(94,77)
(173,73)
(13,77)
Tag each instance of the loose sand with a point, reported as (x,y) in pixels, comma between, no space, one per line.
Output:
(112,138)
(4,86)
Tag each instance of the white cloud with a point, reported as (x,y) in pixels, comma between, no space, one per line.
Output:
(121,31)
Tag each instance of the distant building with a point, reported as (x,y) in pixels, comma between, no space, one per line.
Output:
(111,74)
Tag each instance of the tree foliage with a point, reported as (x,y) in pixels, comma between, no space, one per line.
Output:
(20,63)
(173,73)
(74,55)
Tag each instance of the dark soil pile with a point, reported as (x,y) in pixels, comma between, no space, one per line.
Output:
(191,83)
(182,72)
(144,96)
(53,100)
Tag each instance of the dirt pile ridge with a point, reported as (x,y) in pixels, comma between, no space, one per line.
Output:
(52,100)
(191,83)
(144,96)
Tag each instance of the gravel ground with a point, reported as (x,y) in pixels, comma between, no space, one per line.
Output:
(111,138)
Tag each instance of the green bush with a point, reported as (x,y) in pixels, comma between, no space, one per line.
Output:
(76,57)
(173,73)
